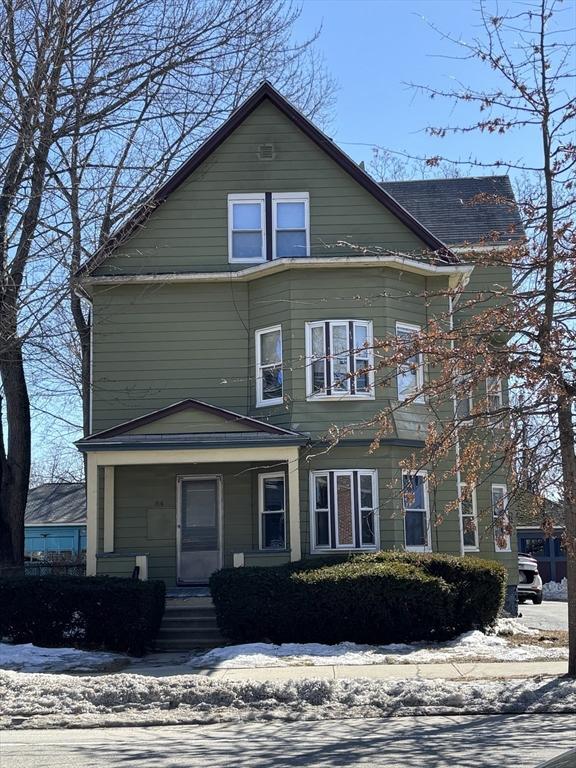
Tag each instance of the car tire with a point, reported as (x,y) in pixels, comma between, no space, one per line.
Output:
(537,599)
(521,600)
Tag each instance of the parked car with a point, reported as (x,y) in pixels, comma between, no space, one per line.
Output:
(529,581)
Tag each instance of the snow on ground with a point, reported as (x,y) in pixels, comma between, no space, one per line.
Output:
(471,645)
(51,701)
(556,590)
(31,658)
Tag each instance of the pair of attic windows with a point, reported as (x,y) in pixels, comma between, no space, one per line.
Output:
(268,225)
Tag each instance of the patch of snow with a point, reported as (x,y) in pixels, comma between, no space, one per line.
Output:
(31,658)
(55,701)
(506,627)
(556,590)
(471,645)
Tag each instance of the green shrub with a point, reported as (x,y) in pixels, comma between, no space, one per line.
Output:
(385,597)
(83,612)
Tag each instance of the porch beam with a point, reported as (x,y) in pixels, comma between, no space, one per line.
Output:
(109,509)
(270,455)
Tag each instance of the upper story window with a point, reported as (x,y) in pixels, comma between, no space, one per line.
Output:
(501,520)
(247,227)
(468,517)
(268,225)
(464,402)
(290,223)
(410,376)
(416,506)
(269,366)
(494,400)
(339,359)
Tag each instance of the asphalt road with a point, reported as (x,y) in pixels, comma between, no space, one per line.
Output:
(549,615)
(484,741)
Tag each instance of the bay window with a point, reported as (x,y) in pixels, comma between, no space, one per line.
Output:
(339,359)
(415,504)
(272,510)
(344,506)
(269,376)
(410,374)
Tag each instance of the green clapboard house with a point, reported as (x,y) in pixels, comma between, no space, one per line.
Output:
(224,314)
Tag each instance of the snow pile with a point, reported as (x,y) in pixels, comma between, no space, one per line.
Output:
(471,645)
(506,627)
(556,590)
(50,701)
(31,658)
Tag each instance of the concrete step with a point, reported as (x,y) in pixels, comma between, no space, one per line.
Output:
(180,610)
(186,645)
(189,624)
(189,621)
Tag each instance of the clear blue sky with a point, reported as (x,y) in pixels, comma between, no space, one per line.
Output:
(374,47)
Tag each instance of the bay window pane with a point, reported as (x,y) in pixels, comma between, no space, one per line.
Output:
(413,492)
(318,376)
(271,347)
(273,531)
(322,528)
(366,501)
(407,382)
(272,383)
(415,521)
(340,361)
(469,533)
(290,243)
(345,522)
(318,341)
(246,216)
(247,245)
(321,492)
(290,215)
(368,534)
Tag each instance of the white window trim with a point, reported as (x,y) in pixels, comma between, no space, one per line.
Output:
(314,548)
(419,370)
(504,488)
(260,402)
(338,396)
(475,547)
(428,546)
(262,512)
(291,197)
(247,197)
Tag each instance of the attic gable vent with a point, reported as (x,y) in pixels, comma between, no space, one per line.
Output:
(266,152)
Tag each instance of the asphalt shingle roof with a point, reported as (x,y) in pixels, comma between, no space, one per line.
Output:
(461,211)
(62,503)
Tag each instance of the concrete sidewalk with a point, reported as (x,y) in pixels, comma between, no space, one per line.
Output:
(156,666)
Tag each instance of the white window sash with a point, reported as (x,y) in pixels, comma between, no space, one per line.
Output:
(403,329)
(427,546)
(473,515)
(291,197)
(357,509)
(260,401)
(262,512)
(366,356)
(246,198)
(499,491)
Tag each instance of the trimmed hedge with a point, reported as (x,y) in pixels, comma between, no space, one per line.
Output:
(82,611)
(380,598)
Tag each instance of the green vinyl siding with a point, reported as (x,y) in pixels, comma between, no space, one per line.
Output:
(189,232)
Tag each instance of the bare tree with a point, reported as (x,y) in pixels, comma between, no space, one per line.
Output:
(98,100)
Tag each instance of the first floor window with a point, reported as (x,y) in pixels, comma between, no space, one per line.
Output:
(344,509)
(272,502)
(468,516)
(269,366)
(500,518)
(415,504)
(410,375)
(339,359)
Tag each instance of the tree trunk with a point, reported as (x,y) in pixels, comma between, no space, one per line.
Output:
(14,462)
(566,432)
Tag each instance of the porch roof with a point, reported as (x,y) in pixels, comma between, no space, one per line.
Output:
(170,441)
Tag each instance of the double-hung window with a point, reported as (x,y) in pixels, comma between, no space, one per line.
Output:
(272,510)
(339,359)
(416,507)
(344,505)
(246,227)
(410,374)
(500,518)
(463,403)
(290,224)
(468,517)
(494,399)
(269,366)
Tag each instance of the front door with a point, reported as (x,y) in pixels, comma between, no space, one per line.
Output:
(198,529)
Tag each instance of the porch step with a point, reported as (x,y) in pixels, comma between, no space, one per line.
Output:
(187,625)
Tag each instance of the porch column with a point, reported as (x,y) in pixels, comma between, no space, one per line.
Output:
(294,506)
(91,513)
(109,509)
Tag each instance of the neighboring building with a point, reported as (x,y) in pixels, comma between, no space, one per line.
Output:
(55,521)
(540,526)
(224,317)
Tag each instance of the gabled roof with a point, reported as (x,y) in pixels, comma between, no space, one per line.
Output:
(267,91)
(250,424)
(56,504)
(467,210)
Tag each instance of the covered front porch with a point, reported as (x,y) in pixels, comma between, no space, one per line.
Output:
(177,506)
